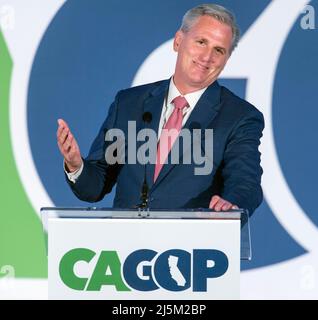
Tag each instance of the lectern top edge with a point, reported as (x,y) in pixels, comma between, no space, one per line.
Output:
(100,213)
(92,213)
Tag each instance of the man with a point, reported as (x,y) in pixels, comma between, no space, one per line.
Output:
(203,44)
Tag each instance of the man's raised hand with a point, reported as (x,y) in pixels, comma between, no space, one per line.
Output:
(68,147)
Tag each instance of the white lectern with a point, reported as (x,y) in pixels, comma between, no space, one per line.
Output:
(142,254)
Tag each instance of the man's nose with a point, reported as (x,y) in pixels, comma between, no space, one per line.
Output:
(207,55)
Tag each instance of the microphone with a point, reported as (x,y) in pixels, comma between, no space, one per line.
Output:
(147,117)
(144,196)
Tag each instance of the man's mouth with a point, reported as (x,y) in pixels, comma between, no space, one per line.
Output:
(201,66)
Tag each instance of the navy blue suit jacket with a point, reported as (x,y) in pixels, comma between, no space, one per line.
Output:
(236,175)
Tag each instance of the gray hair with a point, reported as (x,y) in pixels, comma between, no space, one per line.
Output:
(215,11)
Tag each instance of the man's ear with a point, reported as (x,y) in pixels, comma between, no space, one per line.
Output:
(177,40)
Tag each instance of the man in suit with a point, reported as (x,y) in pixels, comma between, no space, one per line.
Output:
(204,43)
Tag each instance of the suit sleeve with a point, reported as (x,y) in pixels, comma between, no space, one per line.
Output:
(98,177)
(242,170)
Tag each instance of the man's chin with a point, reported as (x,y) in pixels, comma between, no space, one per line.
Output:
(199,83)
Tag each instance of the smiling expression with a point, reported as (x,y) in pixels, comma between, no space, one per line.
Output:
(202,53)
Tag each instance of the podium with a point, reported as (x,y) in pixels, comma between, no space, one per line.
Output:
(116,254)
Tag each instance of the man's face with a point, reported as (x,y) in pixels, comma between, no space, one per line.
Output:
(202,53)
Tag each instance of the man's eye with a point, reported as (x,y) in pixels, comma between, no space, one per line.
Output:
(219,50)
(200,41)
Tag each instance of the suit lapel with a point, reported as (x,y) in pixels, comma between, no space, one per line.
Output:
(154,104)
(204,112)
(207,107)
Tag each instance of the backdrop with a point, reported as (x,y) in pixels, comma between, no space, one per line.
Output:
(67,59)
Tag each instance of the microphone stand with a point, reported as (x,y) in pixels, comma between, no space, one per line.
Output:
(144,196)
(144,193)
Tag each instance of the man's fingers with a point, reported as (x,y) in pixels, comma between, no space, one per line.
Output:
(62,123)
(217,203)
(63,128)
(214,201)
(68,142)
(62,134)
(74,146)
(68,146)
(226,206)
(65,138)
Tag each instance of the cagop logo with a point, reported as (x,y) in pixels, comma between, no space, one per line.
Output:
(144,269)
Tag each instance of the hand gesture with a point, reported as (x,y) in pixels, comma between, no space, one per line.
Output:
(68,147)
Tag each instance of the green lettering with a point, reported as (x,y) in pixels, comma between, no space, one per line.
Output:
(66,267)
(107,272)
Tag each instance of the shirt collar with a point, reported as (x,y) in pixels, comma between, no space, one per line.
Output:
(192,97)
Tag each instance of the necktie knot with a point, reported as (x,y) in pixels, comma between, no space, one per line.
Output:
(180,102)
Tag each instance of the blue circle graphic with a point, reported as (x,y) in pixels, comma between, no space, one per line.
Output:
(92,49)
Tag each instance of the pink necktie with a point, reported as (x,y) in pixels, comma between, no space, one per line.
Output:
(170,133)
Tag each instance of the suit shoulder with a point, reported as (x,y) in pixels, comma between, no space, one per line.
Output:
(141,90)
(242,106)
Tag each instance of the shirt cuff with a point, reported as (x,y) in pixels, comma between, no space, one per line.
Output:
(73,176)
